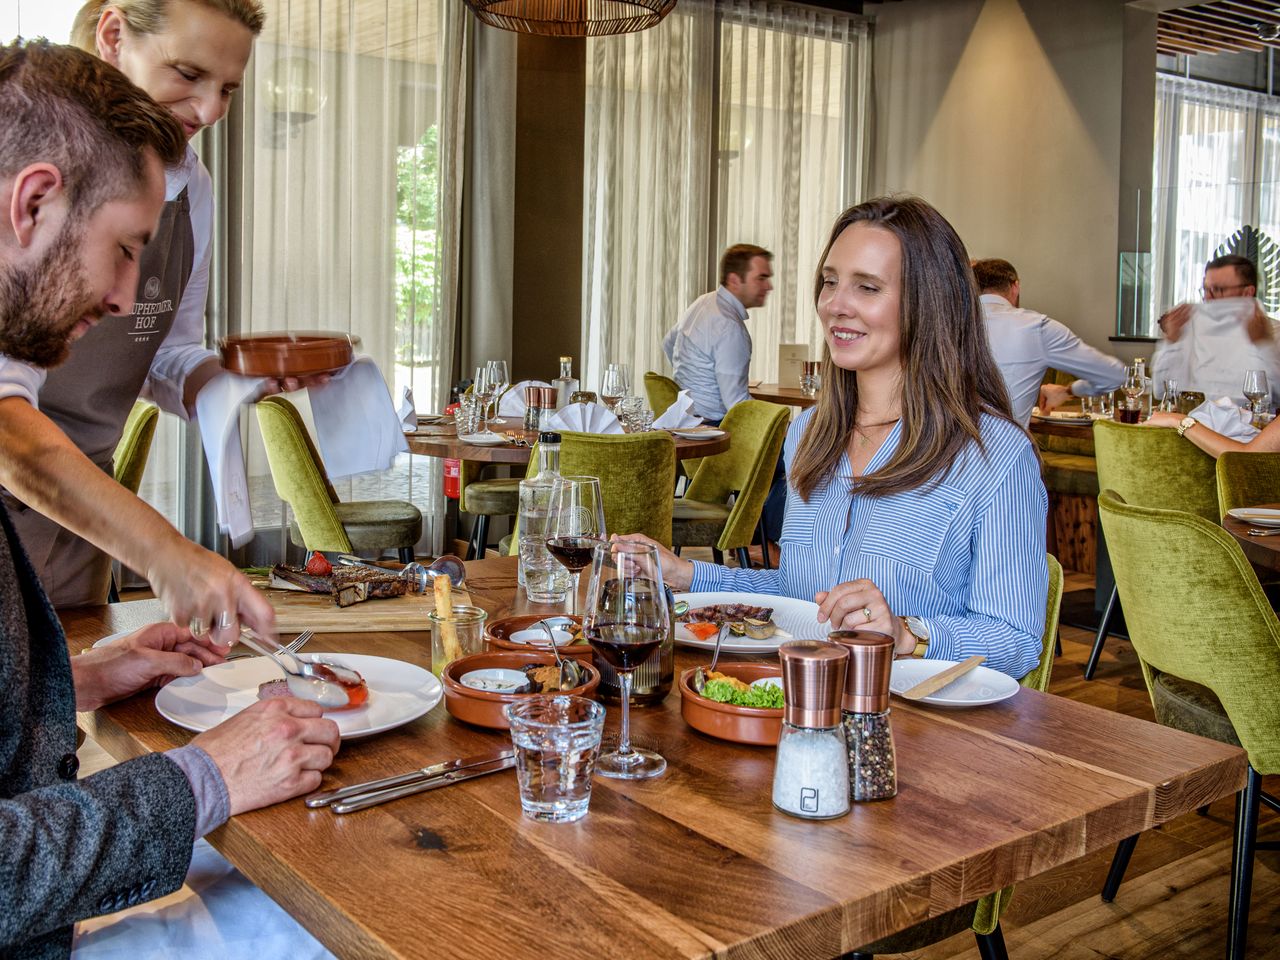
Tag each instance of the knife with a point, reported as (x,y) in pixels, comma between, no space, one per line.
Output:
(414,776)
(361,801)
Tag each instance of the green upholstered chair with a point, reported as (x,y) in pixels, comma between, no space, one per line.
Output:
(320,521)
(1155,468)
(129,462)
(1210,657)
(704,517)
(981,916)
(661,391)
(1247,480)
(636,471)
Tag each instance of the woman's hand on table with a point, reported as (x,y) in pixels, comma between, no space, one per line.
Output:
(146,658)
(1164,418)
(859,605)
(676,572)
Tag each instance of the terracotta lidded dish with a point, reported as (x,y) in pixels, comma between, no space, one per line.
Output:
(287,354)
(484,708)
(726,721)
(498,633)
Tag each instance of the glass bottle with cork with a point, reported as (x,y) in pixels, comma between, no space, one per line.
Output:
(811,772)
(566,384)
(873,768)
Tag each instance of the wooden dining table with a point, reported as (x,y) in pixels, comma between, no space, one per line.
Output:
(697,862)
(1260,551)
(442,441)
(778,393)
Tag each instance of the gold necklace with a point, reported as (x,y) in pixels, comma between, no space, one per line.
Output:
(861,429)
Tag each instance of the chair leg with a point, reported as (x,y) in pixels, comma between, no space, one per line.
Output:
(1101,638)
(717,556)
(471,542)
(406,554)
(764,544)
(482,534)
(1246,836)
(1057,645)
(991,945)
(744,561)
(1119,863)
(113,594)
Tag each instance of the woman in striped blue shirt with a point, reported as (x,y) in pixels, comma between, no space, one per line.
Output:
(915,506)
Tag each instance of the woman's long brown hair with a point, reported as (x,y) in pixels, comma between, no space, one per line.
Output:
(949,378)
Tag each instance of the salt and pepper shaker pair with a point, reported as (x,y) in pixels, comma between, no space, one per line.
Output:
(836,745)
(539,404)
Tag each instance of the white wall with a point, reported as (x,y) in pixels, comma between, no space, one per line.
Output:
(1006,115)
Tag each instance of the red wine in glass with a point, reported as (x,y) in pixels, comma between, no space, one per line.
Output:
(574,553)
(625,645)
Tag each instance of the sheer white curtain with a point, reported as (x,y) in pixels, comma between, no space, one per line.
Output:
(668,187)
(1217,168)
(793,134)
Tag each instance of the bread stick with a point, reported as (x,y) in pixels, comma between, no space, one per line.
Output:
(444,610)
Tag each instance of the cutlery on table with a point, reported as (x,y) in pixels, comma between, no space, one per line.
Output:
(293,646)
(1259,532)
(700,675)
(570,669)
(318,680)
(362,795)
(419,575)
(941,679)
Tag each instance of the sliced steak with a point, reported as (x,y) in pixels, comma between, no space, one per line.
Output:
(720,613)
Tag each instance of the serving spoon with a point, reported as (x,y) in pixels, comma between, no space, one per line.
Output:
(318,680)
(700,675)
(570,669)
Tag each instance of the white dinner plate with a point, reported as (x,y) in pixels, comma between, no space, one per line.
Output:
(486,439)
(115,636)
(703,433)
(398,692)
(1082,419)
(1262,516)
(796,620)
(979,686)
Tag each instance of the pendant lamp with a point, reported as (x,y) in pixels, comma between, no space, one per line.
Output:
(571,18)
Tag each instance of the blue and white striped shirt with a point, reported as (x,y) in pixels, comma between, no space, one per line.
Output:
(967,556)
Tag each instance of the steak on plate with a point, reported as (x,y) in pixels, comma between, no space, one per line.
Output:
(720,613)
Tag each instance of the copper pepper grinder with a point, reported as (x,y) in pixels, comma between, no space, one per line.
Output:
(811,773)
(873,769)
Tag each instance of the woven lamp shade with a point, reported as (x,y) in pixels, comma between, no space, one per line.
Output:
(572,18)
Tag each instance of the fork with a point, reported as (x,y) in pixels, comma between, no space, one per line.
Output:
(293,646)
(1258,532)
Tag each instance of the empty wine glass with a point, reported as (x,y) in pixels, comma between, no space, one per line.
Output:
(1256,390)
(625,623)
(576,525)
(613,385)
(501,379)
(1169,394)
(484,388)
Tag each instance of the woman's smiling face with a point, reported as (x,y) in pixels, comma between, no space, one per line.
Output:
(859,303)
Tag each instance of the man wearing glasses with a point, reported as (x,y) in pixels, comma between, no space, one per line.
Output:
(1207,347)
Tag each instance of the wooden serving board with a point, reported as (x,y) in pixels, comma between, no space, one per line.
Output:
(297,611)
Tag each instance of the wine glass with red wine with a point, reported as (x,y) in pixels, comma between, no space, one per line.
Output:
(625,623)
(576,525)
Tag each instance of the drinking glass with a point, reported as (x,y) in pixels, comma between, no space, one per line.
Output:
(1168,394)
(545,578)
(576,525)
(485,389)
(556,740)
(625,623)
(1135,382)
(467,417)
(613,386)
(501,380)
(1257,390)
(629,409)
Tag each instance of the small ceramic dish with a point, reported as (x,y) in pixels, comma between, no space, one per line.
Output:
(725,721)
(518,634)
(484,708)
(287,354)
(495,679)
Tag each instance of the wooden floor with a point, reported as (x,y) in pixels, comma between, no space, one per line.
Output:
(1173,903)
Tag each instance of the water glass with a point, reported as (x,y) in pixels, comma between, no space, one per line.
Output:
(459,635)
(1168,394)
(556,741)
(467,417)
(545,578)
(1257,391)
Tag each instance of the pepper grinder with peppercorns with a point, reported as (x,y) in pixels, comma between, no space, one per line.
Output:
(873,770)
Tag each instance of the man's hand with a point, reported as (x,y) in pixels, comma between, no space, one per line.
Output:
(1258,326)
(1173,321)
(200,587)
(149,657)
(271,751)
(1052,396)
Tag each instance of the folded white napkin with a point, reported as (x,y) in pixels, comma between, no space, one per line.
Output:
(218,416)
(679,415)
(357,429)
(407,411)
(512,403)
(585,418)
(1224,417)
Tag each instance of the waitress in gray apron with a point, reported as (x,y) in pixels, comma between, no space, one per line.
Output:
(190,57)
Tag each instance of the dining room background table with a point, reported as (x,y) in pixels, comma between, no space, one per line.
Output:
(696,862)
(780,393)
(1263,551)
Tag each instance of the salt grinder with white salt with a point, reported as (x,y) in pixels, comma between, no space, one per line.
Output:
(811,773)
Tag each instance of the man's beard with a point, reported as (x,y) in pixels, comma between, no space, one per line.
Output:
(41,305)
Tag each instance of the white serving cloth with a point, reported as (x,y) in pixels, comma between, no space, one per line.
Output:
(218,914)
(218,415)
(679,415)
(357,429)
(585,418)
(1223,416)
(512,403)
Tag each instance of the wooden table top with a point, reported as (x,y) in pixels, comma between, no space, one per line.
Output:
(1260,551)
(777,393)
(696,862)
(443,442)
(1055,428)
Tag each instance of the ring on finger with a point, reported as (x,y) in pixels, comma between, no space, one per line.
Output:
(225,620)
(197,626)
(866,612)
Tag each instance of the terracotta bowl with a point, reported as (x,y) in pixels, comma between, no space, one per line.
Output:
(484,707)
(289,354)
(754,725)
(497,635)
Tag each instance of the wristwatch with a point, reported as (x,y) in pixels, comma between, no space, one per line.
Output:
(1186,424)
(920,630)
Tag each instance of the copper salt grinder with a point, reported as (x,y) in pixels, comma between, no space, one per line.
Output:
(811,772)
